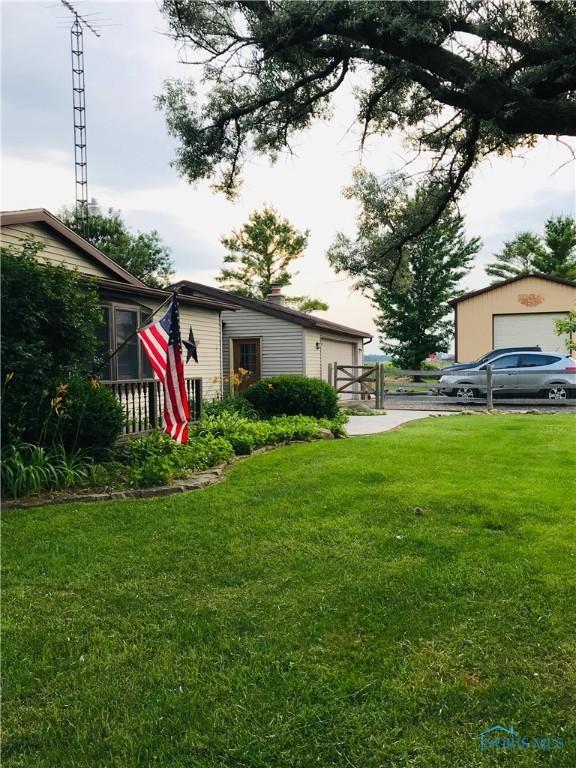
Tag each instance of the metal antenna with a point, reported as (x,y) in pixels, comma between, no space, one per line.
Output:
(79,112)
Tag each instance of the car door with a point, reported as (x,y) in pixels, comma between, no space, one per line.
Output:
(533,370)
(505,372)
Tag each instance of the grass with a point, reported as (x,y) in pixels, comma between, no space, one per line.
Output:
(301,614)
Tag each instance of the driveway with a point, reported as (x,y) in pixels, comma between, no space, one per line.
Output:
(371,425)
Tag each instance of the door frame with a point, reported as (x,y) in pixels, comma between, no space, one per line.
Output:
(231,341)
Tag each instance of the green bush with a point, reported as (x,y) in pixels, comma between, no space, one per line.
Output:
(293,395)
(85,416)
(50,315)
(157,459)
(229,404)
(245,435)
(28,468)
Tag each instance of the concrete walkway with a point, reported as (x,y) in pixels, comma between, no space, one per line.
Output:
(371,425)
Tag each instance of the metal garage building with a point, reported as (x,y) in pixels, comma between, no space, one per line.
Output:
(515,312)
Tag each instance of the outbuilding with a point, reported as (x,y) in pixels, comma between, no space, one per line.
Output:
(517,312)
(267,338)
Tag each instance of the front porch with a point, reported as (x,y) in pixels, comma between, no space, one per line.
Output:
(143,402)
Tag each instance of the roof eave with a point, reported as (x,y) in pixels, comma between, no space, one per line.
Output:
(42,216)
(284,313)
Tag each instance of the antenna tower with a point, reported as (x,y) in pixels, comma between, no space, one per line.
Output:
(79,111)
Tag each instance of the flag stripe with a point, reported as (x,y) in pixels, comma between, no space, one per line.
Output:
(161,341)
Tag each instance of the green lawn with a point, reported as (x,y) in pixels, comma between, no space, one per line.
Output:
(302,614)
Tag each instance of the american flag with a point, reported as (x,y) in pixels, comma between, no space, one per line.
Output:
(162,344)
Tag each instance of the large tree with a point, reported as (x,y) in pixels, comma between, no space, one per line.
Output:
(143,254)
(461,79)
(413,309)
(260,254)
(554,253)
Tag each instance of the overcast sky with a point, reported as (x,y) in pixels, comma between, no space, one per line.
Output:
(129,154)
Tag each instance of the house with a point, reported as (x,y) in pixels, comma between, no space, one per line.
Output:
(515,312)
(126,303)
(268,338)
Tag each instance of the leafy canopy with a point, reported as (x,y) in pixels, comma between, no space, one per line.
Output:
(568,326)
(260,253)
(462,80)
(143,254)
(553,254)
(412,308)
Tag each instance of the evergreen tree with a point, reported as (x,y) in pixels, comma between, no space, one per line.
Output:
(553,254)
(260,253)
(412,304)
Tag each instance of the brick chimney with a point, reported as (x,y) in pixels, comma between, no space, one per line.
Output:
(275,296)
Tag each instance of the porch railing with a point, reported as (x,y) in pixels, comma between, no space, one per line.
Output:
(143,402)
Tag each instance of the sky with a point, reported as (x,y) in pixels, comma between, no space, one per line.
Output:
(130,154)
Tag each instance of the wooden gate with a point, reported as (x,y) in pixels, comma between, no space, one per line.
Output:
(363,381)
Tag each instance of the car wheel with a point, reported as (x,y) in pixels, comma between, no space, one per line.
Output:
(465,392)
(558,392)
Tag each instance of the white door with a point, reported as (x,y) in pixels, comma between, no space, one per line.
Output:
(529,329)
(341,352)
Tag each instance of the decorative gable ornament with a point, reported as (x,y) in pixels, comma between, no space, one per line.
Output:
(530,299)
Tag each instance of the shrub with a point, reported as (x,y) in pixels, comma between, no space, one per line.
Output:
(293,395)
(157,459)
(49,318)
(84,416)
(236,429)
(245,435)
(28,468)
(229,404)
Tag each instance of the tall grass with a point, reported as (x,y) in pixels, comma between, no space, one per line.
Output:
(28,468)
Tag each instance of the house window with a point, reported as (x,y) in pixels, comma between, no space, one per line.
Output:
(120,325)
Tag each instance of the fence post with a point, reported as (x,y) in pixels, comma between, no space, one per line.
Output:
(335,370)
(378,380)
(330,375)
(489,400)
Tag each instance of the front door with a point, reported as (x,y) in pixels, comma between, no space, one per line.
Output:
(246,362)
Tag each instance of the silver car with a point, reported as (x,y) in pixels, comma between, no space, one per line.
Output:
(548,373)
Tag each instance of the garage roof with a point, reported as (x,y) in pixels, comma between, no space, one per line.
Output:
(502,283)
(269,308)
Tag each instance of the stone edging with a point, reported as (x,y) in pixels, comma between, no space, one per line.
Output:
(195,482)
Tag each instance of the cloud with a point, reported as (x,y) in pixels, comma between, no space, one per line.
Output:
(129,155)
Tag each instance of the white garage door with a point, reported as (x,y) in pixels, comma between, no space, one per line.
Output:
(340,352)
(529,330)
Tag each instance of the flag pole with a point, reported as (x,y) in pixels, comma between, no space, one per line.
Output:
(146,322)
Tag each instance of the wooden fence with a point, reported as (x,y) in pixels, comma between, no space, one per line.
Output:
(143,402)
(386,387)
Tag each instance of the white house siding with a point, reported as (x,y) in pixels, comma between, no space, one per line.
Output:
(282,342)
(343,351)
(206,326)
(56,251)
(312,352)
